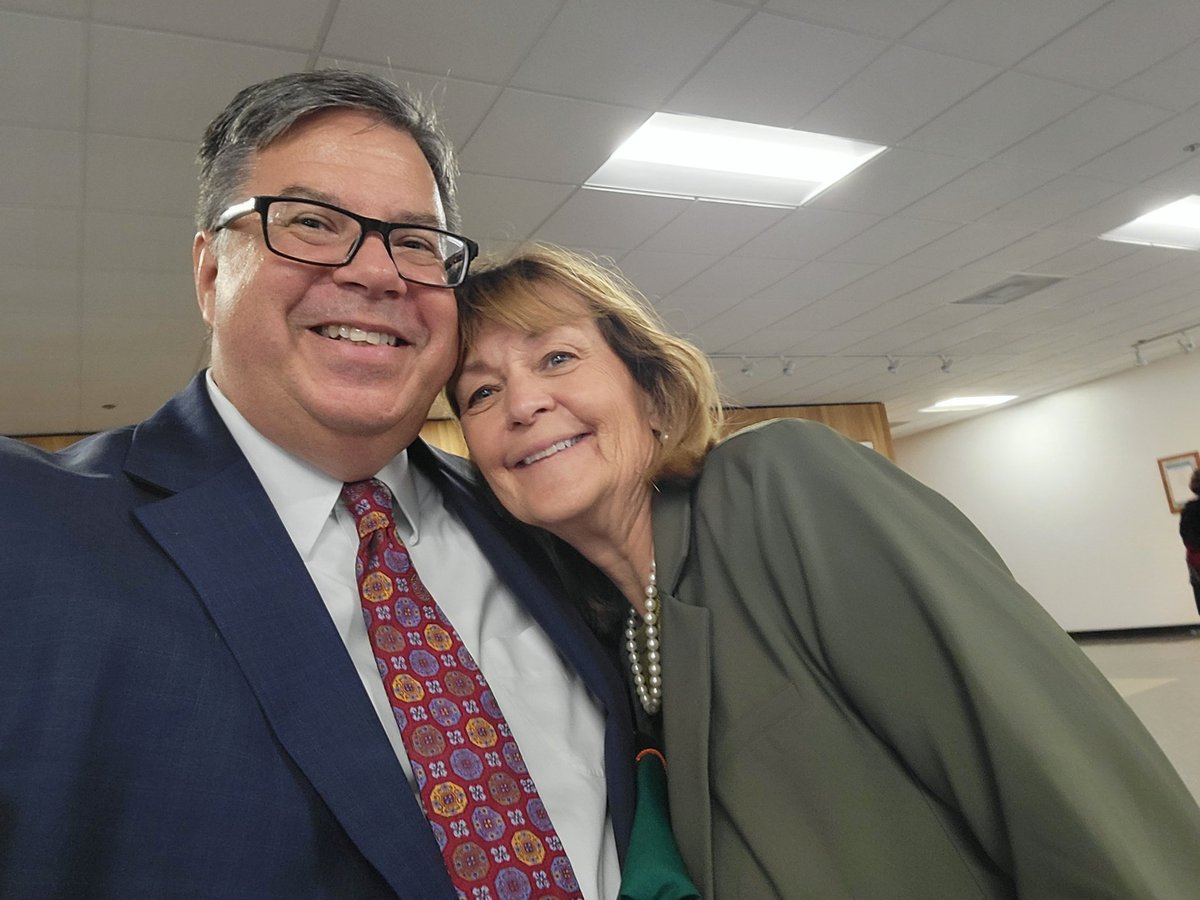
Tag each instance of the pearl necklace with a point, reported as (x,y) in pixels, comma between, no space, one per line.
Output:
(647,680)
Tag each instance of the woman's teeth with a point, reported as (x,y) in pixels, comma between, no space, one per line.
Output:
(550,451)
(349,333)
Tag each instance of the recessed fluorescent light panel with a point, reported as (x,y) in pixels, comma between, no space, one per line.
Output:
(736,162)
(1175,225)
(958,404)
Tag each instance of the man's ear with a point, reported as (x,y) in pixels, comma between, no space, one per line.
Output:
(204,271)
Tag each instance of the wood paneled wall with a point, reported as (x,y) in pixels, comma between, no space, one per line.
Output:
(863,422)
(443,433)
(859,421)
(50,442)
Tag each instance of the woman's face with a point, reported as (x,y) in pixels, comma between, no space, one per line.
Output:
(557,425)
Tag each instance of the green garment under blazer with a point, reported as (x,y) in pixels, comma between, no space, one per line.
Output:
(860,701)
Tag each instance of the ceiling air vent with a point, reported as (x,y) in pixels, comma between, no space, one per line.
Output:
(1011,289)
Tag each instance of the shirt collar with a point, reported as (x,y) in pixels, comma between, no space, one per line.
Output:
(304,496)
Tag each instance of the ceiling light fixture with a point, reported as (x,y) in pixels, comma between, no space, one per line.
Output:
(1186,343)
(893,365)
(946,363)
(747,368)
(1139,358)
(720,159)
(787,366)
(959,404)
(1175,225)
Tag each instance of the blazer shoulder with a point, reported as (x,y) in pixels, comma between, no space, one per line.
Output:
(97,454)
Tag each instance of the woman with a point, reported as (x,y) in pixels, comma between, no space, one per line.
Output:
(856,699)
(1189,531)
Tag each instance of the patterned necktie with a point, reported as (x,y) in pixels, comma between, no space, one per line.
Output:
(496,837)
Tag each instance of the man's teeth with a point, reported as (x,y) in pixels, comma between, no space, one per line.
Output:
(551,450)
(349,333)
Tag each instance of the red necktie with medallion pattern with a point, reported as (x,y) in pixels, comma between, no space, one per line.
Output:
(496,837)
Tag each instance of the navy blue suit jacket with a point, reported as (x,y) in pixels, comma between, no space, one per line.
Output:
(178,716)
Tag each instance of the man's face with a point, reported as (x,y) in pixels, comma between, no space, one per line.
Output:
(320,397)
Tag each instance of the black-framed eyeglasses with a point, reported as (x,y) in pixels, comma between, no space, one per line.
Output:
(321,234)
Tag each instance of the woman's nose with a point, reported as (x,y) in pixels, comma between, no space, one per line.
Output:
(527,399)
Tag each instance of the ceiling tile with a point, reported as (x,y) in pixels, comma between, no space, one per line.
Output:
(883,20)
(1151,153)
(1116,210)
(1122,39)
(1027,252)
(459,105)
(1083,134)
(41,68)
(513,138)
(1169,84)
(773,71)
(253,21)
(807,233)
(137,242)
(716,228)
(896,94)
(609,220)
(775,303)
(658,274)
(976,193)
(891,181)
(464,39)
(507,209)
(965,244)
(1004,111)
(1053,202)
(169,86)
(625,51)
(891,239)
(41,168)
(122,294)
(133,174)
(998,33)
(46,292)
(39,238)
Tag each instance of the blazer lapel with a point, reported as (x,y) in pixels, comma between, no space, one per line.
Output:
(687,690)
(220,529)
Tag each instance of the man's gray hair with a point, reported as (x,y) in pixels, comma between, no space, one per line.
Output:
(261,113)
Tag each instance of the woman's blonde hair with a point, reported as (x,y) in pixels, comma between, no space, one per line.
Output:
(676,376)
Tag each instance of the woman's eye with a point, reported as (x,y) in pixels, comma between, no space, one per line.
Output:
(478,396)
(558,357)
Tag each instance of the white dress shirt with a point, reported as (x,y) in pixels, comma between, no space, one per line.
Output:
(556,721)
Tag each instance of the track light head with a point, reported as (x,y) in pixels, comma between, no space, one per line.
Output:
(787,366)
(747,368)
(946,363)
(893,365)
(1186,342)
(1139,358)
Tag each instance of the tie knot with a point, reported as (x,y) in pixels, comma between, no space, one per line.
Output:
(370,502)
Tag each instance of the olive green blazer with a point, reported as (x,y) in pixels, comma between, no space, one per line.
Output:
(860,701)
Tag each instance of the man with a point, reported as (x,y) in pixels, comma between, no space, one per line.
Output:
(190,704)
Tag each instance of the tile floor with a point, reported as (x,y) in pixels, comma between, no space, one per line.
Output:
(1159,677)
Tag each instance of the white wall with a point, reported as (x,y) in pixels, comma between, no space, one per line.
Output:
(1067,488)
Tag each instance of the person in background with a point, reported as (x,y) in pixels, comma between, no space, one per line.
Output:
(197,610)
(1189,531)
(855,697)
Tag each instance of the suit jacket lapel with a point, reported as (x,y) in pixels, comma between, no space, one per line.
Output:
(220,529)
(687,690)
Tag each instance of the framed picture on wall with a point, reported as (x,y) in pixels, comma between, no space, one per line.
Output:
(1176,472)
